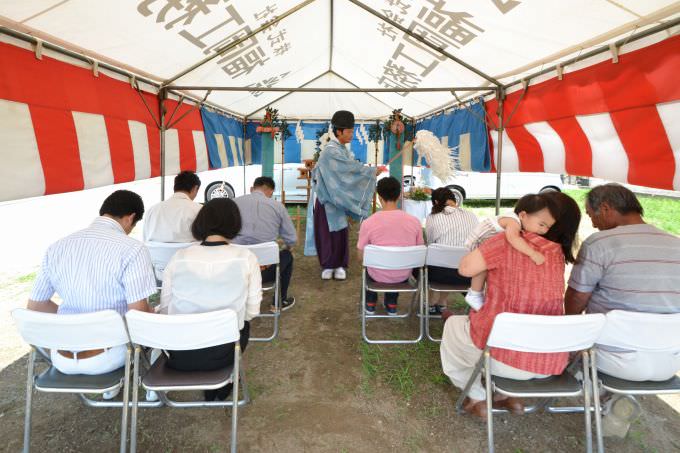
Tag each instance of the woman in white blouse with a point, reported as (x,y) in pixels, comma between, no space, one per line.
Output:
(213,275)
(450,225)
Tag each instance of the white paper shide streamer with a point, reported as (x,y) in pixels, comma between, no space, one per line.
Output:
(299,134)
(441,159)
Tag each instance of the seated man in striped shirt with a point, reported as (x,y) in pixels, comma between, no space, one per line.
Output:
(98,268)
(627,265)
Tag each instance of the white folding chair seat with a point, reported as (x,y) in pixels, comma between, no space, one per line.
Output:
(538,334)
(442,256)
(183,333)
(99,330)
(161,253)
(642,332)
(267,254)
(393,258)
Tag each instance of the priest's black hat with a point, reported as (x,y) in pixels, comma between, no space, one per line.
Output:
(343,119)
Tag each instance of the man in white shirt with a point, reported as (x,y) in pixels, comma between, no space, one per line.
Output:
(98,268)
(170,220)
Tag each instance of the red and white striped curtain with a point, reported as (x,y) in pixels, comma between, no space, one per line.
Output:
(62,129)
(616,121)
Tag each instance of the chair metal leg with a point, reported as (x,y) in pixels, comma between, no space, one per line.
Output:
(364,316)
(126,399)
(586,401)
(29,400)
(277,310)
(421,301)
(466,390)
(243,382)
(596,403)
(234,409)
(489,399)
(363,305)
(135,401)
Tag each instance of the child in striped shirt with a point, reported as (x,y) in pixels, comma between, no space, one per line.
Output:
(531,214)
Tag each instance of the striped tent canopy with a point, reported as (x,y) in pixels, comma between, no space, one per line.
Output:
(87,86)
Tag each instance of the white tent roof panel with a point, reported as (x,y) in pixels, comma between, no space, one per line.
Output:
(323,105)
(504,39)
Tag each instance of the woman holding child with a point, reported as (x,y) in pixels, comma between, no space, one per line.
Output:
(516,283)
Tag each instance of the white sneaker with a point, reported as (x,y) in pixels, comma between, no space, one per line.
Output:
(339,274)
(151,395)
(111,395)
(326,274)
(474,299)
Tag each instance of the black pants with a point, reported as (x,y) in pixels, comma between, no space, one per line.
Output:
(446,275)
(286,263)
(208,359)
(390,298)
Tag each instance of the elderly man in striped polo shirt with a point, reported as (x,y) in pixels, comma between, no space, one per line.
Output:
(627,265)
(98,268)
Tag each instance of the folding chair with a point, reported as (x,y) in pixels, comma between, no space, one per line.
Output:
(161,253)
(633,331)
(540,334)
(82,332)
(181,333)
(442,256)
(267,254)
(393,258)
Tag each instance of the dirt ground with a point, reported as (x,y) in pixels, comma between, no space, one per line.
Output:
(317,388)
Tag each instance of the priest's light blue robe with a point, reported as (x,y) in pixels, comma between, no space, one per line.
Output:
(343,185)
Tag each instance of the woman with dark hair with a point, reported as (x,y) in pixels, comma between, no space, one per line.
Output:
(448,224)
(213,275)
(515,285)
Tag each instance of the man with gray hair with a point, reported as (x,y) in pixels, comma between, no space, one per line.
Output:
(628,265)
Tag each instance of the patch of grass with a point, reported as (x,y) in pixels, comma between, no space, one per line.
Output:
(414,442)
(28,278)
(404,368)
(488,203)
(639,438)
(22,280)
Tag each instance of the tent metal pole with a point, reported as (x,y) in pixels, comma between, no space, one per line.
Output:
(285,95)
(245,123)
(75,55)
(413,148)
(102,65)
(162,94)
(328,90)
(377,139)
(236,43)
(602,49)
(356,86)
(445,107)
(643,34)
(425,41)
(499,154)
(325,120)
(191,109)
(330,40)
